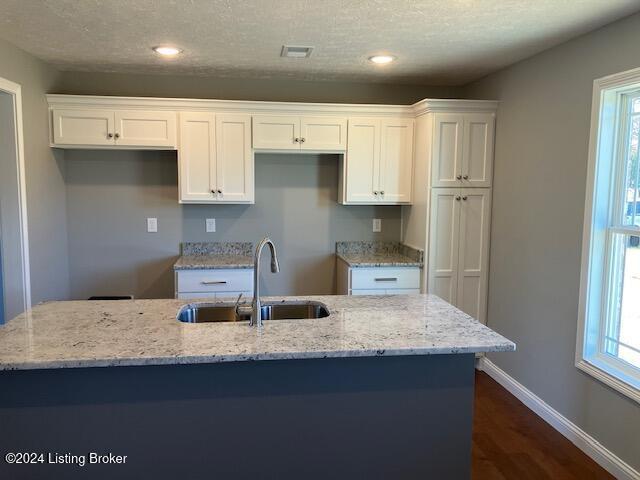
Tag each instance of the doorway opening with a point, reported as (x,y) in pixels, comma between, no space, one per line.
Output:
(15,291)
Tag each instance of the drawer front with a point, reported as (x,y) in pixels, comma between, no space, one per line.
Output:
(389,291)
(230,296)
(385,278)
(231,280)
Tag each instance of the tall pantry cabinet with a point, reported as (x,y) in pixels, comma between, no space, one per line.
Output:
(451,214)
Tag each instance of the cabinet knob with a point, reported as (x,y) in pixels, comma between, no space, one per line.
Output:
(464,198)
(220,192)
(109,135)
(296,140)
(117,135)
(458,177)
(466,177)
(457,198)
(382,192)
(302,140)
(213,192)
(375,192)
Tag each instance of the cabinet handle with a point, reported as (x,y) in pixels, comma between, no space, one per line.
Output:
(213,282)
(386,279)
(375,192)
(109,135)
(466,177)
(382,192)
(464,198)
(220,192)
(302,140)
(457,198)
(213,192)
(117,135)
(296,140)
(458,177)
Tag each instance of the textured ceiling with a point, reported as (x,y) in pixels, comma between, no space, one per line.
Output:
(436,41)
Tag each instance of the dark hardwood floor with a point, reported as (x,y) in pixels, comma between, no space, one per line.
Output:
(512,442)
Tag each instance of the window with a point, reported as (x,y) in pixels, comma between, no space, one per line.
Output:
(609,335)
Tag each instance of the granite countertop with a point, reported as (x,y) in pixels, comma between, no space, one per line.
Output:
(379,254)
(212,255)
(145,332)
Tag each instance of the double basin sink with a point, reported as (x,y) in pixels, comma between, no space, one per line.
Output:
(221,312)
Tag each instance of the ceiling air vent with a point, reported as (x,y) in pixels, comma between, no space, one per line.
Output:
(292,51)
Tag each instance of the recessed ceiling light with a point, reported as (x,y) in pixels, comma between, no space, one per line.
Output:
(167,51)
(382,59)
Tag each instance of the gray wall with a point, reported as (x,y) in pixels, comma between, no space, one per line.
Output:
(46,188)
(110,194)
(542,141)
(180,86)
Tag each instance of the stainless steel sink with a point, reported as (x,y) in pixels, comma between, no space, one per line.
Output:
(217,312)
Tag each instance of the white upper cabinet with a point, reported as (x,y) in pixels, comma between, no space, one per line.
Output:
(459,247)
(299,133)
(114,128)
(396,160)
(323,133)
(215,158)
(140,128)
(378,165)
(197,157)
(477,158)
(462,154)
(361,166)
(446,160)
(234,159)
(83,127)
(276,133)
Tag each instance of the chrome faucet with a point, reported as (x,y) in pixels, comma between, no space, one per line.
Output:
(256,317)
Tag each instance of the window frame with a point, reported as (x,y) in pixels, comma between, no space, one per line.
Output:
(603,189)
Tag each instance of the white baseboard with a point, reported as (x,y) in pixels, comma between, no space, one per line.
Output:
(581,439)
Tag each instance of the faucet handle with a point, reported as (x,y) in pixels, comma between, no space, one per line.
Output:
(238,299)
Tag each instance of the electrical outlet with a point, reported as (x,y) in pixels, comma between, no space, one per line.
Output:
(210,224)
(152,225)
(377,225)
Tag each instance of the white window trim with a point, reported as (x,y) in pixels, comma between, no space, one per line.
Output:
(602,147)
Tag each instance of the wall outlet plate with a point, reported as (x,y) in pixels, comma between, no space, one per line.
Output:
(152,225)
(210,225)
(377,225)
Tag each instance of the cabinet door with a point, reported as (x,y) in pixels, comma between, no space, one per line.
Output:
(234,159)
(196,157)
(362,161)
(323,133)
(276,133)
(473,264)
(446,162)
(140,128)
(443,243)
(477,163)
(396,160)
(83,127)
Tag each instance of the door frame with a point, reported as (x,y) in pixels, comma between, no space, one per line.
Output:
(15,90)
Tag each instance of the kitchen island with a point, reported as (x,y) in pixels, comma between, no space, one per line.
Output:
(381,388)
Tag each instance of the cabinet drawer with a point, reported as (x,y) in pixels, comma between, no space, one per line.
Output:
(385,278)
(389,291)
(227,296)
(231,280)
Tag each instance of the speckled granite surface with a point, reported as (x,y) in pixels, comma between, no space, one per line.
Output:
(212,255)
(379,254)
(146,332)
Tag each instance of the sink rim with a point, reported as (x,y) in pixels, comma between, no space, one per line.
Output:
(268,303)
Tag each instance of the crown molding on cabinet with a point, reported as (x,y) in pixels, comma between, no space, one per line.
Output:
(280,108)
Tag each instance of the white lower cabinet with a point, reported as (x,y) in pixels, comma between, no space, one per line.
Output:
(459,248)
(213,283)
(377,280)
